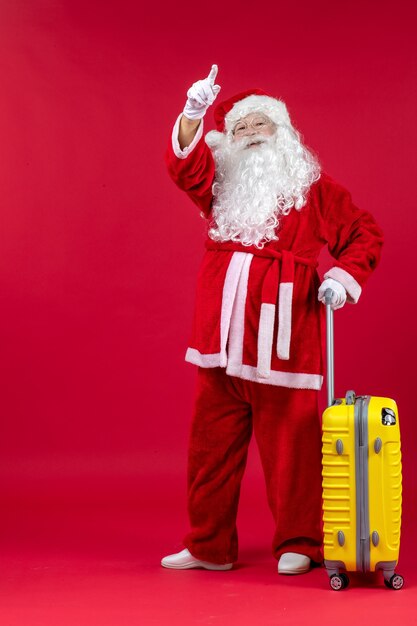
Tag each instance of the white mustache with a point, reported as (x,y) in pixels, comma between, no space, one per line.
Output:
(247,141)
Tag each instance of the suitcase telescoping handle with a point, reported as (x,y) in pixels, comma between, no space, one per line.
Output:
(350,395)
(329,346)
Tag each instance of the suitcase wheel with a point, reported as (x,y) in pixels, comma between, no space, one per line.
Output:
(395,582)
(339,582)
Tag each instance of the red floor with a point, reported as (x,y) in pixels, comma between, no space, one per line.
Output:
(95,562)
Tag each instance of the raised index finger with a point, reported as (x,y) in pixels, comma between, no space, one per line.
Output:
(213,73)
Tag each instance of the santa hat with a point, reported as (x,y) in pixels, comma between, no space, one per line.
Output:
(229,112)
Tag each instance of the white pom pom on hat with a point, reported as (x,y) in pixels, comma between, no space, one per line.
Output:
(229,112)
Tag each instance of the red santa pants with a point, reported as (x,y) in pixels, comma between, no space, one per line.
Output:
(288,434)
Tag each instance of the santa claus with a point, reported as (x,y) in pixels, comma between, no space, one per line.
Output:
(257,332)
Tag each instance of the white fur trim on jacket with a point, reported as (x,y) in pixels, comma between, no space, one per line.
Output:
(265,338)
(237,323)
(353,288)
(182,154)
(202,360)
(233,330)
(228,298)
(293,380)
(284,320)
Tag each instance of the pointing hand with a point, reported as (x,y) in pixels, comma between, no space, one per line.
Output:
(201,95)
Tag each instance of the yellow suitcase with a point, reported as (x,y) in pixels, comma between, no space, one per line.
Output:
(362,491)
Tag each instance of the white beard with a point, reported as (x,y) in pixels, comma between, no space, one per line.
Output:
(254,186)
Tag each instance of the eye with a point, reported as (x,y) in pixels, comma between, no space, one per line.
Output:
(239,128)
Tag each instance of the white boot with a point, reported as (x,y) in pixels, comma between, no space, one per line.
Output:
(185,560)
(293,563)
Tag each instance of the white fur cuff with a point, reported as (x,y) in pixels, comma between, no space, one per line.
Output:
(353,288)
(182,154)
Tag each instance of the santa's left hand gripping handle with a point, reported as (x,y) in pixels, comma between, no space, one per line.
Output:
(329,346)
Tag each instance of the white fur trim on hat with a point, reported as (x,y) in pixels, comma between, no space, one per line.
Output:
(213,139)
(273,108)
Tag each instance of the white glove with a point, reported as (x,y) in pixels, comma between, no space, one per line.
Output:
(201,95)
(338,295)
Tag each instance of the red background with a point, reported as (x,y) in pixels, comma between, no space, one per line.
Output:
(99,251)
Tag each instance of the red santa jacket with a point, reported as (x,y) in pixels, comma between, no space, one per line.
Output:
(257,312)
